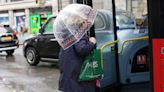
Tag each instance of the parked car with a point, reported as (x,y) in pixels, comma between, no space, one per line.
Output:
(43,46)
(8,39)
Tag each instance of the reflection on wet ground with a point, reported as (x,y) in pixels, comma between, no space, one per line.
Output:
(17,76)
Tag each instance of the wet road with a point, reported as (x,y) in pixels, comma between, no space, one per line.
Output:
(17,76)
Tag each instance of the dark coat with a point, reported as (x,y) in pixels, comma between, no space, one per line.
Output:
(71,60)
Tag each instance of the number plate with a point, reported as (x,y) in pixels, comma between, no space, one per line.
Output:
(7,38)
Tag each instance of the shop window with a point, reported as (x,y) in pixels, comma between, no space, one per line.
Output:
(4,20)
(16,0)
(138,8)
(3,1)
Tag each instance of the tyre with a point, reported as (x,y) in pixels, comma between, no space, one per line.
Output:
(10,52)
(32,56)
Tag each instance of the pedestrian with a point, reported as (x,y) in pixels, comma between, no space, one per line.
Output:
(70,61)
(70,30)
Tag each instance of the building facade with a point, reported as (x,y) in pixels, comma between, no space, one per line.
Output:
(32,15)
(18,13)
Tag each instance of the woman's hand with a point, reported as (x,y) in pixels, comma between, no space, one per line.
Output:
(93,40)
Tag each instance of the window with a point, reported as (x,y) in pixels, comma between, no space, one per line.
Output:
(99,23)
(6,30)
(49,26)
(4,20)
(125,20)
(3,1)
(16,0)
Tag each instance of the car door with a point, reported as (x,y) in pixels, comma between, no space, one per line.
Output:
(48,46)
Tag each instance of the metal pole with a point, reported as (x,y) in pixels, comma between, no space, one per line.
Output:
(152,20)
(115,38)
(92,29)
(58,6)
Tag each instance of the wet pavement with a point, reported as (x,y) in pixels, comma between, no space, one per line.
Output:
(17,76)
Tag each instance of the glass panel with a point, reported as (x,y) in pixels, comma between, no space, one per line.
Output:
(103,21)
(104,34)
(4,20)
(99,23)
(20,23)
(16,0)
(139,8)
(3,1)
(6,30)
(3,30)
(49,26)
(125,20)
(9,29)
(102,4)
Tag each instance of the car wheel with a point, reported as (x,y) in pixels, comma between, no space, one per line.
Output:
(10,52)
(32,56)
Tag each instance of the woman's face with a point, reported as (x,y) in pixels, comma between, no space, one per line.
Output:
(84,25)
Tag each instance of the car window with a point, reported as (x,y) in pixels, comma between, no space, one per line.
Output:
(49,26)
(145,22)
(125,21)
(99,23)
(6,30)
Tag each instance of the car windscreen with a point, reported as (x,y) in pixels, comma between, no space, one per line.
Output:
(49,26)
(125,21)
(6,30)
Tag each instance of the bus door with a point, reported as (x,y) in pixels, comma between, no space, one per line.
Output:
(119,34)
(105,33)
(133,44)
(133,53)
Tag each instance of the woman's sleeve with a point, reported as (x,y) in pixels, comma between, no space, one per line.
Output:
(83,47)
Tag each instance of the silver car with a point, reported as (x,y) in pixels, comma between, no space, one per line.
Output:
(8,40)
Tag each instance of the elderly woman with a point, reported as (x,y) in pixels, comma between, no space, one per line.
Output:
(70,28)
(71,60)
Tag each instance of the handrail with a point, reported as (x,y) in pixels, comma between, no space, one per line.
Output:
(102,48)
(132,39)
